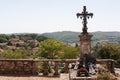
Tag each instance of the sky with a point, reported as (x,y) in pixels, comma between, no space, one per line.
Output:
(41,16)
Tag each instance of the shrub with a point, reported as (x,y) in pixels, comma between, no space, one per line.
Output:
(106,76)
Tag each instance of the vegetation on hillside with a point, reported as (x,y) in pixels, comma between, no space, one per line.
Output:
(24,36)
(19,46)
(68,36)
(65,36)
(3,38)
(24,46)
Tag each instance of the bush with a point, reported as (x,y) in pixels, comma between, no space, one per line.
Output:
(106,76)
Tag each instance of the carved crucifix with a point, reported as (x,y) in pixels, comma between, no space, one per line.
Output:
(84,15)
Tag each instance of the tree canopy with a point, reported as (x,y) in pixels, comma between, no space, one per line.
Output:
(109,51)
(52,49)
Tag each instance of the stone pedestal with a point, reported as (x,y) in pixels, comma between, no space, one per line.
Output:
(85,44)
(85,55)
(45,73)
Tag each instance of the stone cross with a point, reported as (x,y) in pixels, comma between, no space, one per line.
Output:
(84,15)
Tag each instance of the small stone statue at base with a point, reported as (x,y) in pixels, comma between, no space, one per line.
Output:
(85,66)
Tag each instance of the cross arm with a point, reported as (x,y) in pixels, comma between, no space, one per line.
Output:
(79,14)
(90,14)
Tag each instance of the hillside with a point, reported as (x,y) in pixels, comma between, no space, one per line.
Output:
(68,36)
(65,36)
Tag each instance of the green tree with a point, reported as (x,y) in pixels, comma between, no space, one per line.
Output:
(40,38)
(70,53)
(51,48)
(32,44)
(12,36)
(109,51)
(37,54)
(15,54)
(3,38)
(9,43)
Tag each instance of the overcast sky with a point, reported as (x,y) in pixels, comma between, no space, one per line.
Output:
(40,16)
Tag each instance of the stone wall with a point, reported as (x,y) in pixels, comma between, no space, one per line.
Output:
(18,67)
(30,66)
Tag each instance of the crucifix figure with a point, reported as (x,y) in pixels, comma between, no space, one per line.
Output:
(84,15)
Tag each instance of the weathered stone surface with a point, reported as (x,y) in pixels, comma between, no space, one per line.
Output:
(18,67)
(85,41)
(30,67)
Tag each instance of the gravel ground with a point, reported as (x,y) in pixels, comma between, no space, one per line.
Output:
(27,78)
(117,71)
(62,77)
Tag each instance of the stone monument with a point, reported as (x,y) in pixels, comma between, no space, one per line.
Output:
(85,46)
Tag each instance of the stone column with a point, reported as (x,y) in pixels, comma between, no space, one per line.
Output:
(34,67)
(56,68)
(45,66)
(66,69)
(112,67)
(108,65)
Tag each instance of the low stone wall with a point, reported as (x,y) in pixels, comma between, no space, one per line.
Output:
(18,67)
(30,66)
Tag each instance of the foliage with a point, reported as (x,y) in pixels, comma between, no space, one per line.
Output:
(37,54)
(12,36)
(9,43)
(68,36)
(33,36)
(41,38)
(106,76)
(14,54)
(70,53)
(40,67)
(32,44)
(51,48)
(3,38)
(109,51)
(65,36)
(3,47)
(15,50)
